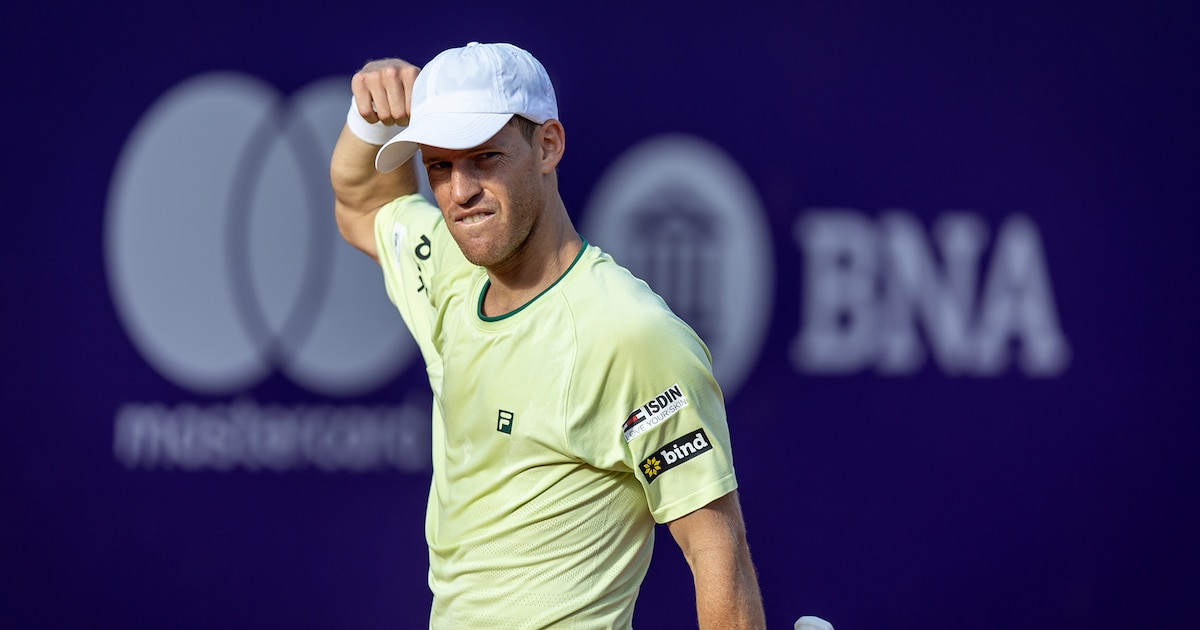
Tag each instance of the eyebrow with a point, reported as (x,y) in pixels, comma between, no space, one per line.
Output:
(487,147)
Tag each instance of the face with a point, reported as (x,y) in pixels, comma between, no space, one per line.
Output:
(491,196)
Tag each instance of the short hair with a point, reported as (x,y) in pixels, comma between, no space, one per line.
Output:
(525,126)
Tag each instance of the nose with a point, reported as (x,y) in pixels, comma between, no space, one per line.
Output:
(464,186)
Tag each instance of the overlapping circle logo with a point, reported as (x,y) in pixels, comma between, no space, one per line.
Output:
(222,254)
(679,213)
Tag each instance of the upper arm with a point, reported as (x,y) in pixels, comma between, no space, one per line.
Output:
(360,191)
(358,229)
(675,434)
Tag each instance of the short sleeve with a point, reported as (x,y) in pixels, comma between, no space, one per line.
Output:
(663,416)
(417,254)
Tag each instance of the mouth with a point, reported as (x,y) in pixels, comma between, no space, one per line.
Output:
(474,218)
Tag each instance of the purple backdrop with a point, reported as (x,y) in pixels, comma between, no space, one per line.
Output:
(1000,434)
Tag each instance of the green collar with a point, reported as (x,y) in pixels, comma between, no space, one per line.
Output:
(488,283)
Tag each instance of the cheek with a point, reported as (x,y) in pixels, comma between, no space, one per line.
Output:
(527,193)
(441,195)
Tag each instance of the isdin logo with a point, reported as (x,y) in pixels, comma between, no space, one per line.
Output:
(222,257)
(659,408)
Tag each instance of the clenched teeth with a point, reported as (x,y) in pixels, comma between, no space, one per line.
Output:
(474,218)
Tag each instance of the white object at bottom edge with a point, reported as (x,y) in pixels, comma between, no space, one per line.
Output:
(808,622)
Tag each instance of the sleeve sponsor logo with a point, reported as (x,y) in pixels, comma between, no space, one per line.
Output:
(659,408)
(680,450)
(422,251)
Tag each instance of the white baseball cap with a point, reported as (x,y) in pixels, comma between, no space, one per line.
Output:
(466,95)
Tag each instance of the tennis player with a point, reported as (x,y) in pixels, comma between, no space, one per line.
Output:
(573,411)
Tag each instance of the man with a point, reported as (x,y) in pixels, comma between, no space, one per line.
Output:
(572,409)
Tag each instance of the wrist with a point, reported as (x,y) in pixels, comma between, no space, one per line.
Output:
(373,133)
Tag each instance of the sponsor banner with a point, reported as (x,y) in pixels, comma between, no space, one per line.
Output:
(250,436)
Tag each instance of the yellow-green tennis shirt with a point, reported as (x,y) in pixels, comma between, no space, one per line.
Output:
(561,433)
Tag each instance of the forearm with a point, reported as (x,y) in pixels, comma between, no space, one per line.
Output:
(727,594)
(713,541)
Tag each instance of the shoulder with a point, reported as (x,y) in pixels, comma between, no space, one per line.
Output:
(619,311)
(412,225)
(404,215)
(610,290)
(407,207)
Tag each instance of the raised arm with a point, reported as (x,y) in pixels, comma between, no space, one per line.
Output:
(383,96)
(713,540)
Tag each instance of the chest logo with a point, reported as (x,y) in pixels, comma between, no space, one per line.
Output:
(504,422)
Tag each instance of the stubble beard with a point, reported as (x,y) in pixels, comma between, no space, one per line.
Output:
(516,226)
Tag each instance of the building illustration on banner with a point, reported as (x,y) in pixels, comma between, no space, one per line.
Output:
(225,267)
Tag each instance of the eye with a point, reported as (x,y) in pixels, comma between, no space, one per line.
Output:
(437,166)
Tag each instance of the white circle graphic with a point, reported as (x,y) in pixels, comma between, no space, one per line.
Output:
(679,213)
(222,254)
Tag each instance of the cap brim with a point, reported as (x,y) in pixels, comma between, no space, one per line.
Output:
(445,130)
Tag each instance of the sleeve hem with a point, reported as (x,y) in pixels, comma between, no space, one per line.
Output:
(696,500)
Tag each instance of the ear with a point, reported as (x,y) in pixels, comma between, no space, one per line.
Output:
(551,139)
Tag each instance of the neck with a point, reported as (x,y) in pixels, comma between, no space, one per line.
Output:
(543,259)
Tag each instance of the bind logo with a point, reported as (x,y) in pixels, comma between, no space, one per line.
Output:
(222,256)
(680,450)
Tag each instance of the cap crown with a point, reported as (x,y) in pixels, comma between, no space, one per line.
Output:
(484,79)
(466,95)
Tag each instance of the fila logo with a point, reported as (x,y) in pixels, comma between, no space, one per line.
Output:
(680,450)
(504,422)
(659,408)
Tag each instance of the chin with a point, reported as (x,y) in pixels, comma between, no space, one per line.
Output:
(482,257)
